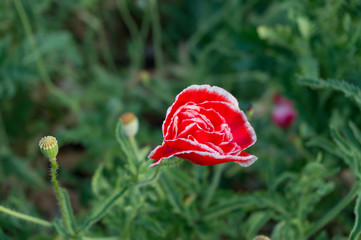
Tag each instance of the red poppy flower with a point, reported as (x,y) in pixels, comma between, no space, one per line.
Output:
(206,127)
(283,113)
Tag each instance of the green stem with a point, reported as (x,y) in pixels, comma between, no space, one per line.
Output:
(134,146)
(54,167)
(135,149)
(39,61)
(335,211)
(150,179)
(25,217)
(157,35)
(3,136)
(214,185)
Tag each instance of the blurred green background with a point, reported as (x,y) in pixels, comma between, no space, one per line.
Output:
(70,68)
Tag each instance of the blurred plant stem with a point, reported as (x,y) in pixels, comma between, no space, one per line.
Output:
(3,137)
(355,190)
(54,167)
(135,148)
(25,217)
(73,105)
(157,35)
(214,185)
(138,36)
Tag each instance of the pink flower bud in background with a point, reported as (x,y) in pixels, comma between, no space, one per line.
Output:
(283,114)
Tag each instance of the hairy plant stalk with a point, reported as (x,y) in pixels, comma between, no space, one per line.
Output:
(59,195)
(25,217)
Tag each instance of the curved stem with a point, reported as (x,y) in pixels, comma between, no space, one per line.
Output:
(59,195)
(335,211)
(25,217)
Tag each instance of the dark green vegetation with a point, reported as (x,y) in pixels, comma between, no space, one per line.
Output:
(70,68)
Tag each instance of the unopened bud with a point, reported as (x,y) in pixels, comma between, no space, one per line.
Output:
(130,124)
(261,237)
(49,147)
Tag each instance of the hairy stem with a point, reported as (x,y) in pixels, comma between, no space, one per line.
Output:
(59,195)
(25,217)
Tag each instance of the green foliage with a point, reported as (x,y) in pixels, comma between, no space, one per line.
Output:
(350,90)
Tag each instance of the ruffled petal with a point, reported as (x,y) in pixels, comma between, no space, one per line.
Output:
(206,159)
(169,148)
(242,131)
(198,94)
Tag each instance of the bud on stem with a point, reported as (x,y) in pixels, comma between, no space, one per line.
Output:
(49,147)
(130,124)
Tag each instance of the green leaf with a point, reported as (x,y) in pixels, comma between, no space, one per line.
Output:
(306,27)
(350,90)
(283,230)
(223,209)
(356,230)
(326,145)
(355,131)
(256,222)
(98,183)
(100,211)
(173,194)
(60,229)
(69,210)
(279,34)
(152,225)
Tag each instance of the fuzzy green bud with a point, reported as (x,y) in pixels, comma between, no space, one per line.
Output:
(130,124)
(49,147)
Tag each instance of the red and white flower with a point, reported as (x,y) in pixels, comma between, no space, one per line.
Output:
(206,127)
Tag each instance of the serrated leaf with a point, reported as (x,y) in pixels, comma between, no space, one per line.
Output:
(350,90)
(326,145)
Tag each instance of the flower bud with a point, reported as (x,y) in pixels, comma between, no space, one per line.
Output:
(283,114)
(49,147)
(130,124)
(261,237)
